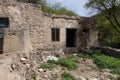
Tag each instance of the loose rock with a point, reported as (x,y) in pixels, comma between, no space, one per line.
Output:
(22,59)
(13,66)
(40,70)
(47,58)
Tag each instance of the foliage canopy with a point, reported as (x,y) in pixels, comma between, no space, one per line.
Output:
(110,9)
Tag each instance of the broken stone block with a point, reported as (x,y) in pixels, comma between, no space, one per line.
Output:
(22,59)
(40,70)
(13,66)
(47,58)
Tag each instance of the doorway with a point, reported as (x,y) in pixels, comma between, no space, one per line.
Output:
(71,37)
(4,23)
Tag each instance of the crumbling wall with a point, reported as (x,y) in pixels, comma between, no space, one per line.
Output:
(39,24)
(88,34)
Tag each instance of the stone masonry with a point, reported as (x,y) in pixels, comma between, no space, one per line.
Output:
(30,17)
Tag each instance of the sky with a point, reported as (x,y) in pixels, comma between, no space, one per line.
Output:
(75,5)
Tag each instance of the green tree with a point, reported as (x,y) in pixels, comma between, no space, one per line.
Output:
(56,6)
(110,9)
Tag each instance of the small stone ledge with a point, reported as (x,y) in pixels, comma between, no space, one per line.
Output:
(107,51)
(111,51)
(54,16)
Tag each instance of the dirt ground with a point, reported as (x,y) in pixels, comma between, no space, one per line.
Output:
(17,67)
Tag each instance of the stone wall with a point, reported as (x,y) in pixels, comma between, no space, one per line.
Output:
(114,52)
(16,41)
(88,34)
(39,24)
(111,51)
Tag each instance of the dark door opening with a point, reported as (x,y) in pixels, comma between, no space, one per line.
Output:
(4,23)
(71,37)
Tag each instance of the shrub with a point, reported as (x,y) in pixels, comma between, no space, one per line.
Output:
(68,76)
(60,11)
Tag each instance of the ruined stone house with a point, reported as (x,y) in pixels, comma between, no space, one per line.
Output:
(24,27)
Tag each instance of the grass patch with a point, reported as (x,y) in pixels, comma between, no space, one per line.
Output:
(68,76)
(73,57)
(52,62)
(47,66)
(34,76)
(104,61)
(70,63)
(84,55)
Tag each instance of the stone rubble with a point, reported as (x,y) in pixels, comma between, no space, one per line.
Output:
(25,71)
(47,58)
(82,78)
(40,70)
(22,59)
(13,66)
